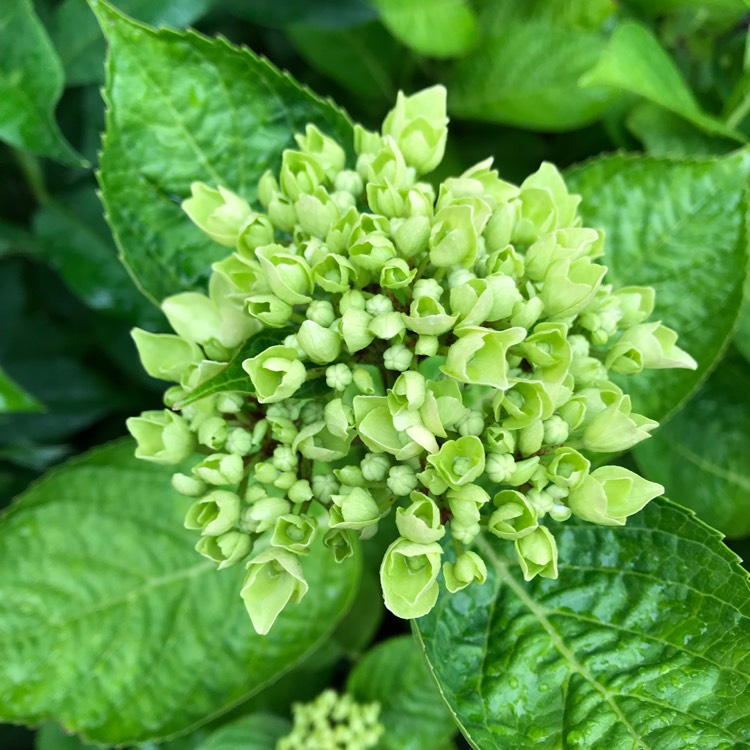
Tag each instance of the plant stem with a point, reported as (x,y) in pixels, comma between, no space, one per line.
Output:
(32,172)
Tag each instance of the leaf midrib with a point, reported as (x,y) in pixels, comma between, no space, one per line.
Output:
(125,598)
(505,576)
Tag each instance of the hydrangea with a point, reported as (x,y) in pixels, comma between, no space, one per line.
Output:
(333,722)
(443,354)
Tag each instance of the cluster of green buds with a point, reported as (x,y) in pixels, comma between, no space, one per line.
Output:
(333,722)
(378,345)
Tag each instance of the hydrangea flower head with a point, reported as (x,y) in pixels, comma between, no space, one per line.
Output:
(441,354)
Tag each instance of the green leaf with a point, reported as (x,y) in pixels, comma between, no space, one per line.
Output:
(182,108)
(13,239)
(742,334)
(233,377)
(51,736)
(255,732)
(412,711)
(663,133)
(661,7)
(79,39)
(679,226)
(361,623)
(31,81)
(322,14)
(72,236)
(742,337)
(700,455)
(365,60)
(13,398)
(436,28)
(641,644)
(526,67)
(148,639)
(635,62)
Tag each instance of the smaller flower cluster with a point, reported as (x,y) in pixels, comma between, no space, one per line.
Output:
(374,345)
(333,722)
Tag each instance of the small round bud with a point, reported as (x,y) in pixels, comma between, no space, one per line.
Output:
(499,467)
(472,423)
(402,480)
(239,441)
(338,376)
(311,412)
(300,491)
(321,312)
(230,403)
(397,358)
(375,467)
(556,430)
(285,480)
(352,298)
(378,304)
(254,493)
(284,458)
(349,181)
(213,433)
(265,472)
(427,346)
(324,486)
(189,486)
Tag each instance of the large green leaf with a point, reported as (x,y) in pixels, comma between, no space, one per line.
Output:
(411,709)
(365,60)
(148,638)
(13,398)
(253,732)
(526,67)
(635,62)
(701,454)
(679,226)
(72,236)
(79,39)
(642,643)
(437,28)
(663,133)
(322,14)
(182,108)
(31,81)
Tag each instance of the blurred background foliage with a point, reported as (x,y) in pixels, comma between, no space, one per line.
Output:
(531,80)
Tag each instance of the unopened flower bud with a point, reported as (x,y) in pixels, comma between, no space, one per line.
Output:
(227,549)
(162,436)
(189,486)
(468,568)
(220,468)
(402,480)
(294,533)
(213,433)
(398,358)
(214,514)
(274,580)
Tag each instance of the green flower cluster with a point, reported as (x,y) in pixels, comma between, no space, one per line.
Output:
(375,345)
(333,722)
